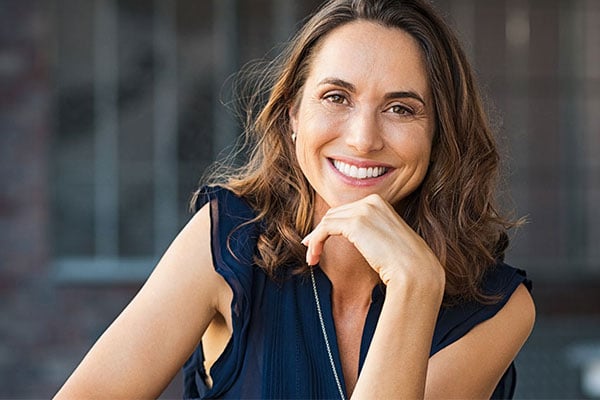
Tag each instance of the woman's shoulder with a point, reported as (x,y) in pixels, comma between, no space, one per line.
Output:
(499,283)
(233,233)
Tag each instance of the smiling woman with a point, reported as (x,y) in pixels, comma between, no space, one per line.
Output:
(359,252)
(362,107)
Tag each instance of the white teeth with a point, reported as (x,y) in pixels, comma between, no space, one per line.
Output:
(358,173)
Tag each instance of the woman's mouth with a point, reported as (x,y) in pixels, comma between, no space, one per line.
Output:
(355,172)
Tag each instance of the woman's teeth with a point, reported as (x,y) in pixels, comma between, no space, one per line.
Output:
(358,173)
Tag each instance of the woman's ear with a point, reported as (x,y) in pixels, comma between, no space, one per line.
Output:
(293,116)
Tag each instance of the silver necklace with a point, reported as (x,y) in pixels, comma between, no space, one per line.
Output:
(335,374)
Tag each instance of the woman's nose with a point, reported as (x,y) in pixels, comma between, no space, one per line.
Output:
(364,133)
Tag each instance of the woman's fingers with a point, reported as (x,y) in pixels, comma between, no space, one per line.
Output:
(330,226)
(388,244)
(369,224)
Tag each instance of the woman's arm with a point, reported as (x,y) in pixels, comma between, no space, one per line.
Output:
(140,353)
(471,367)
(468,369)
(397,364)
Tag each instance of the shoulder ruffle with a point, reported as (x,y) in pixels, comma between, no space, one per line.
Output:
(233,244)
(456,321)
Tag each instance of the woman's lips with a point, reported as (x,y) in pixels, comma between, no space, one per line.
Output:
(359,172)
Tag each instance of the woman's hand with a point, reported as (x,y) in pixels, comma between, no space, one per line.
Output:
(395,251)
(399,351)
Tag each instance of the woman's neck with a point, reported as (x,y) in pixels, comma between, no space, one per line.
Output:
(351,276)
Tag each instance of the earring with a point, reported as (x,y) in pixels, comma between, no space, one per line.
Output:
(294,137)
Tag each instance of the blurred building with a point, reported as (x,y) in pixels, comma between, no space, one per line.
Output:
(112,109)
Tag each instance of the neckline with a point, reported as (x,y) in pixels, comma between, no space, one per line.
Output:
(377,293)
(324,289)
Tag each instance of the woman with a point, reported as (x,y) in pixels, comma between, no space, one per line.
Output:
(359,253)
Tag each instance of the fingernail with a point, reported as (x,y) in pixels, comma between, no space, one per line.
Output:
(305,240)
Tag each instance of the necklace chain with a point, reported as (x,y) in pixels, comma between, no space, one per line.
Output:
(335,374)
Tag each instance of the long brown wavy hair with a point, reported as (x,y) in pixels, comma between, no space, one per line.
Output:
(454,208)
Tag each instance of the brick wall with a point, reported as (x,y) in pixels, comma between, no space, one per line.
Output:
(45,329)
(24,141)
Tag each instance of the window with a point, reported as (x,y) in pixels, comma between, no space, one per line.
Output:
(133,81)
(139,116)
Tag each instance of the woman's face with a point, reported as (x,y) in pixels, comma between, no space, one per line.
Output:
(365,118)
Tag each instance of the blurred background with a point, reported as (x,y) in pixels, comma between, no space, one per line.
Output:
(110,110)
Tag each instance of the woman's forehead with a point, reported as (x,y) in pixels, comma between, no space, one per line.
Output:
(368,53)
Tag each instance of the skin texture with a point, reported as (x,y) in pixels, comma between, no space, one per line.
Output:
(364,105)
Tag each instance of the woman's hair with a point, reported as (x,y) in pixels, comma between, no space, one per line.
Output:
(453,209)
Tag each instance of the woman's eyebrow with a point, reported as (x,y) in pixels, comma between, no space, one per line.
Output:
(388,96)
(403,95)
(338,82)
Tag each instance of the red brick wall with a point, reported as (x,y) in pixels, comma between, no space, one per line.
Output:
(45,329)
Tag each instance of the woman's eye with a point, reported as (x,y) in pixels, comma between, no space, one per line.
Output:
(400,110)
(336,98)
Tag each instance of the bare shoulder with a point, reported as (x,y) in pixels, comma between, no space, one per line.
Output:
(472,366)
(188,264)
(193,247)
(520,308)
(151,339)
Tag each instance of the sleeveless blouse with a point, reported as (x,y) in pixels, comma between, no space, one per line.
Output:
(277,348)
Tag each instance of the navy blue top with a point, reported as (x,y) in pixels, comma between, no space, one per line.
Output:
(277,348)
